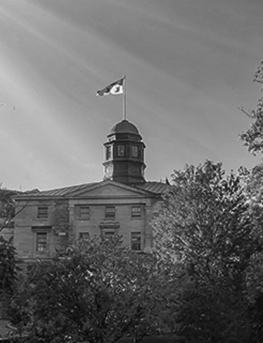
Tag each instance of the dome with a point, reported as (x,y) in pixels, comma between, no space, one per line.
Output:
(124,127)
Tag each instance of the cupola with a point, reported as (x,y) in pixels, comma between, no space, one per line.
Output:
(124,154)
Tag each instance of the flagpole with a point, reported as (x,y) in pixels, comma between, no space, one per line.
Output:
(124,99)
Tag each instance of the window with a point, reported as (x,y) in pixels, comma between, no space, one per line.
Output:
(42,212)
(134,151)
(121,150)
(136,241)
(41,242)
(110,212)
(109,229)
(82,212)
(84,236)
(108,152)
(108,234)
(41,239)
(136,212)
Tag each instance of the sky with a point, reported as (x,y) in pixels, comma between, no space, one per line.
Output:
(189,67)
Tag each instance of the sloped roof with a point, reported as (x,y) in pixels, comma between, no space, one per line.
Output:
(62,191)
(150,186)
(153,187)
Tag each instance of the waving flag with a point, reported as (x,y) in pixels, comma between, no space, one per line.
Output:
(115,88)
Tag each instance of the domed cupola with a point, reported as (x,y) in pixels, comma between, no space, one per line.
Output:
(124,154)
(124,126)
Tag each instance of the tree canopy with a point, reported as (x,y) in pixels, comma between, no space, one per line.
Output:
(7,207)
(253,136)
(8,268)
(97,292)
(203,280)
(205,226)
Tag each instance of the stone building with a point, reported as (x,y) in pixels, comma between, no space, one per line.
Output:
(123,203)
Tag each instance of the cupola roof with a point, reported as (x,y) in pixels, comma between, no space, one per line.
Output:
(124,126)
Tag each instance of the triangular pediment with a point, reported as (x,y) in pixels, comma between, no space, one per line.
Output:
(108,189)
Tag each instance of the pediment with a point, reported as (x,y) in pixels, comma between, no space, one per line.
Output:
(109,189)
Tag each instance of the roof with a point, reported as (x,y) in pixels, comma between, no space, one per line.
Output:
(61,191)
(150,186)
(124,126)
(153,187)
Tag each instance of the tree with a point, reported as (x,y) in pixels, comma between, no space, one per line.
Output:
(7,207)
(98,292)
(252,181)
(205,230)
(8,267)
(254,291)
(8,263)
(253,190)
(253,137)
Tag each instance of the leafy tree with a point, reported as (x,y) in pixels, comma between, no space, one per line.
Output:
(7,207)
(205,230)
(253,137)
(8,263)
(98,292)
(254,284)
(253,181)
(8,269)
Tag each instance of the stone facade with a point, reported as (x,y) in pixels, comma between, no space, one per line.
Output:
(53,219)
(123,203)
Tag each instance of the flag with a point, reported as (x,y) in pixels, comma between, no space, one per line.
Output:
(114,88)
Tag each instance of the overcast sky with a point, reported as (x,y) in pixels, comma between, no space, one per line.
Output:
(189,66)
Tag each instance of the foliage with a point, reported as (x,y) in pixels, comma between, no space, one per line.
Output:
(254,284)
(253,137)
(252,181)
(253,190)
(254,277)
(7,207)
(98,292)
(205,228)
(8,269)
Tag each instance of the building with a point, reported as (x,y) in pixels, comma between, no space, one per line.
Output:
(123,203)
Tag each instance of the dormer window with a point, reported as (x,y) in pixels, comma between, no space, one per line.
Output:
(121,150)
